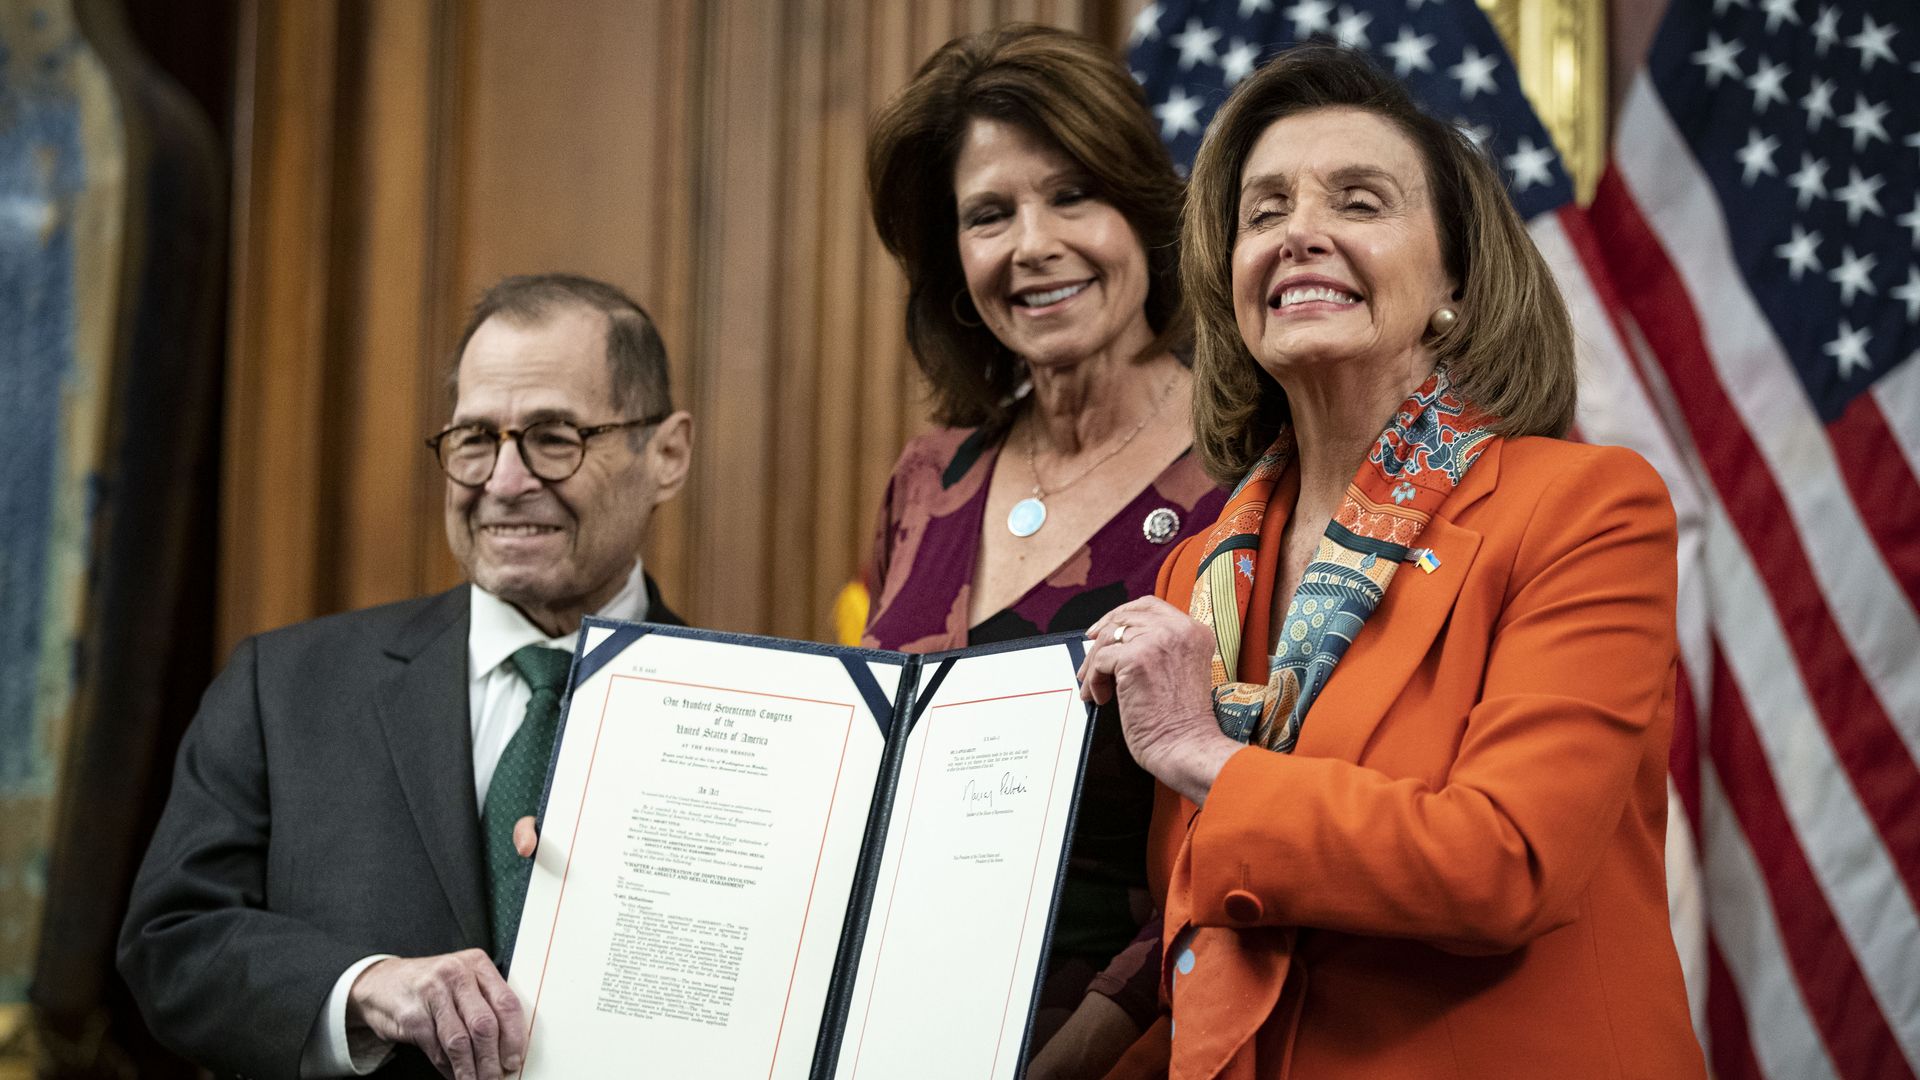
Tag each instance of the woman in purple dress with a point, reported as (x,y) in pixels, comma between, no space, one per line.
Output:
(1019,181)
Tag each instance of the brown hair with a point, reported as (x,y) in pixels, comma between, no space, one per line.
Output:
(1063,88)
(636,357)
(1511,353)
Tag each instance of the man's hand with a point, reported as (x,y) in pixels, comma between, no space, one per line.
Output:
(455,1007)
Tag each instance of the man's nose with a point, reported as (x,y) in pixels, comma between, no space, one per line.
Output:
(511,477)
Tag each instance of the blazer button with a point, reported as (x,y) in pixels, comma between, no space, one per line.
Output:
(1244,907)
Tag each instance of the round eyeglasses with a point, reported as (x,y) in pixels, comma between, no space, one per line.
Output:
(550,449)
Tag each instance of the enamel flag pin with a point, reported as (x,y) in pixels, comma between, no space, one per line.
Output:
(1427,560)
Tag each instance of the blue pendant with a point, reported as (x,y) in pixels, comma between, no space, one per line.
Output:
(1026,517)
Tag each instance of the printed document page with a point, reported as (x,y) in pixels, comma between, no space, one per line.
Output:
(699,845)
(956,939)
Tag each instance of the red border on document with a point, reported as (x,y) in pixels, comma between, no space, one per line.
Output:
(812,885)
(907,828)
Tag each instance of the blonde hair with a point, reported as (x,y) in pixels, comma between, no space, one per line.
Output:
(1510,354)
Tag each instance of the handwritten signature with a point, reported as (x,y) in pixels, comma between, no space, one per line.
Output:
(976,795)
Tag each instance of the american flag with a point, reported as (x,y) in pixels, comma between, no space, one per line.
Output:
(1746,295)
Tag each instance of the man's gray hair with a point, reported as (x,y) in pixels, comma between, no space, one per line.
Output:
(636,357)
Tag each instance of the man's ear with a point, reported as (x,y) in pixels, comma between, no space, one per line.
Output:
(668,454)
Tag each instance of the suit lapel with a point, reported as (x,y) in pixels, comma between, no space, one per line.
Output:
(1401,631)
(423,711)
(657,609)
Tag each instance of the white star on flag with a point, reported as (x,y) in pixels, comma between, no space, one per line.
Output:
(1718,59)
(1478,134)
(1849,350)
(1250,8)
(1911,220)
(1778,11)
(1826,30)
(1757,156)
(1309,17)
(1530,165)
(1818,103)
(1179,114)
(1474,72)
(1909,294)
(1409,51)
(1146,25)
(1351,30)
(1854,275)
(1238,62)
(1801,252)
(1864,122)
(1810,182)
(1196,44)
(1768,83)
(1861,194)
(1875,42)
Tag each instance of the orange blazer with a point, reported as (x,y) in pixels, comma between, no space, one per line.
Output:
(1458,872)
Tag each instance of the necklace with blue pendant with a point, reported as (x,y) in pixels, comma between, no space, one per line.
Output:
(1027,515)
(1030,513)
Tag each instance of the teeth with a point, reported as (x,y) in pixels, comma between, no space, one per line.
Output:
(1051,296)
(519,530)
(1315,292)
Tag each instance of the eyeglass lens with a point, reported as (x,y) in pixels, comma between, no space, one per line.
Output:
(551,450)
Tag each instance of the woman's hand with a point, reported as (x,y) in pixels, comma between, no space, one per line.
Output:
(1093,1038)
(1155,658)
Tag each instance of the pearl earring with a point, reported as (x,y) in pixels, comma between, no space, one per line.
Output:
(1443,320)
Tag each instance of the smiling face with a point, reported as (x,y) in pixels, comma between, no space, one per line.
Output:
(556,550)
(1337,257)
(1057,273)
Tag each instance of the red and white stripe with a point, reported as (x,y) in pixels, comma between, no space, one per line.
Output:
(1799,632)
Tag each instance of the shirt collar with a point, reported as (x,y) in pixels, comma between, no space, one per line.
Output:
(497,630)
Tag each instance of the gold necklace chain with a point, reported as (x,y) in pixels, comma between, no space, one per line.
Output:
(1033,465)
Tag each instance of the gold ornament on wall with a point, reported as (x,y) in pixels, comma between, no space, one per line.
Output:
(1559,48)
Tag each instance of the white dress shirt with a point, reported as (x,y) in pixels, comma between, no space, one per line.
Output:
(496,704)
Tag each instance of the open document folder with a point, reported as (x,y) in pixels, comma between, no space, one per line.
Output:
(762,858)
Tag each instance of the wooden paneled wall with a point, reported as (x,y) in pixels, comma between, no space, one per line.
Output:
(707,155)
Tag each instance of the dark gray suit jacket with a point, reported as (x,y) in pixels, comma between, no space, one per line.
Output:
(322,811)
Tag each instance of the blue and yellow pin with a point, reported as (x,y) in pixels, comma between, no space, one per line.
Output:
(1426,560)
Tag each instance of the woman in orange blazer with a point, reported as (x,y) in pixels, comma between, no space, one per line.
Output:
(1409,701)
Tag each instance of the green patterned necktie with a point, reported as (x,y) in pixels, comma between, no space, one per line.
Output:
(515,790)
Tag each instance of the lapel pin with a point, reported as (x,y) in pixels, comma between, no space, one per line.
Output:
(1427,560)
(1161,526)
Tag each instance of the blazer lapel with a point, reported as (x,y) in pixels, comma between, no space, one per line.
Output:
(423,711)
(1400,631)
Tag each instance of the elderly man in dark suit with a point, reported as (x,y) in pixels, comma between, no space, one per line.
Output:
(334,873)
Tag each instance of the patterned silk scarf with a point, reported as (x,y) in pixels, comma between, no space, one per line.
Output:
(1431,442)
